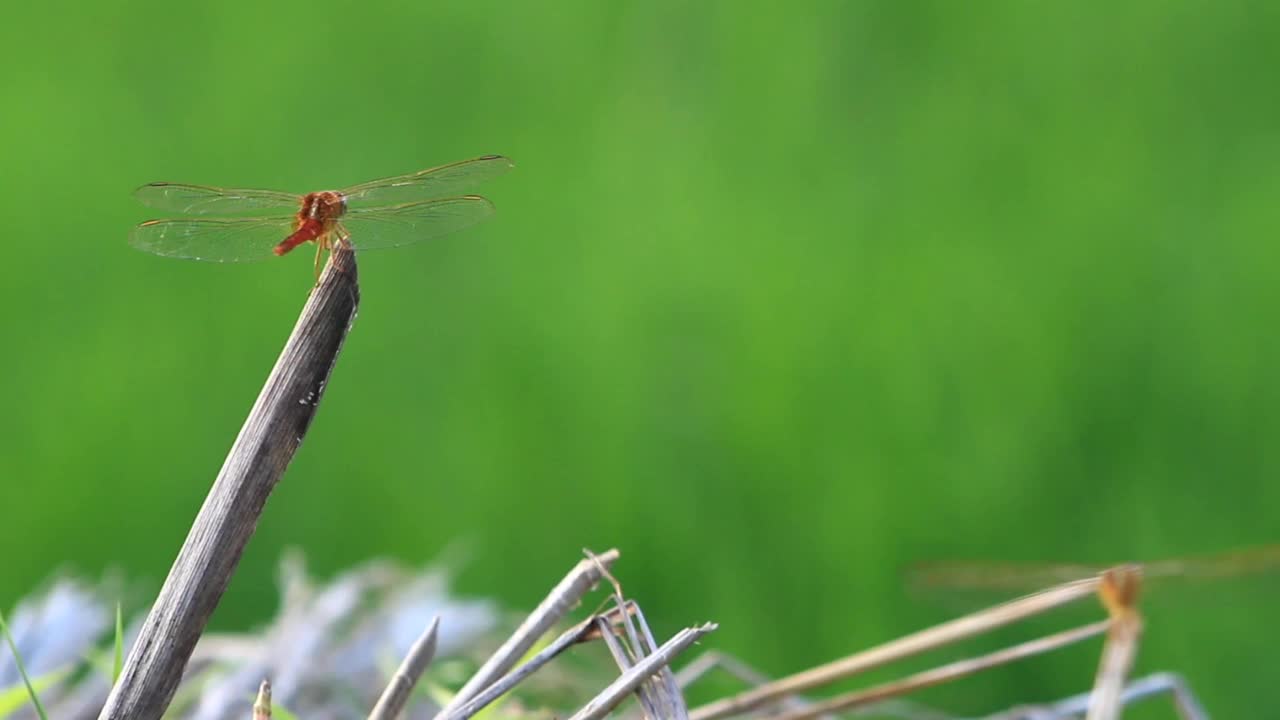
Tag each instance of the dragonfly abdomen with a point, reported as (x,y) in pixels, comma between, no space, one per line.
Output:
(309,230)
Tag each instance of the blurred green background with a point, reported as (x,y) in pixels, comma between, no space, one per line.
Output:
(779,299)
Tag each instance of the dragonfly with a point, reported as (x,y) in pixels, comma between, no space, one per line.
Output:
(241,225)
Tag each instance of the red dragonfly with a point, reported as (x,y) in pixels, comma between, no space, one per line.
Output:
(257,224)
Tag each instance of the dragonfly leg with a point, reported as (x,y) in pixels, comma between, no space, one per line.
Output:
(340,240)
(322,242)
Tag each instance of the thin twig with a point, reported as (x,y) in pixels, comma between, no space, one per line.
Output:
(1185,702)
(739,670)
(659,696)
(623,659)
(947,673)
(666,688)
(582,632)
(905,646)
(271,435)
(560,601)
(262,705)
(496,690)
(619,689)
(411,668)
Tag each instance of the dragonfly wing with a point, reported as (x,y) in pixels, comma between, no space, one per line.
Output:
(438,182)
(986,576)
(204,200)
(404,224)
(213,239)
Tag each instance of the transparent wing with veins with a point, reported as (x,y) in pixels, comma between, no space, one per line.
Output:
(386,227)
(438,182)
(252,239)
(230,240)
(984,577)
(206,200)
(384,213)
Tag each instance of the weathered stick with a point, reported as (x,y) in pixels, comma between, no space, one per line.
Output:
(271,435)
(905,646)
(619,689)
(563,598)
(947,673)
(396,694)
(659,697)
(497,689)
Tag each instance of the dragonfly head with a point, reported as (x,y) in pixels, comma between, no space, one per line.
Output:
(325,207)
